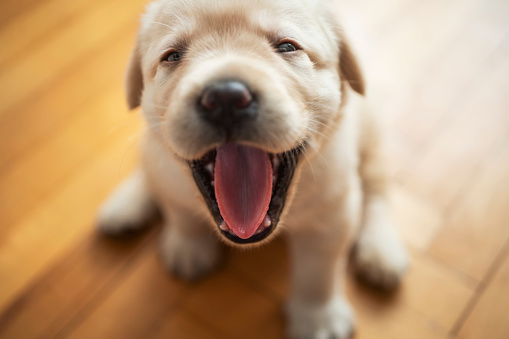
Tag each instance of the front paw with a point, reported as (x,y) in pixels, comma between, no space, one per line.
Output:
(128,209)
(189,258)
(333,320)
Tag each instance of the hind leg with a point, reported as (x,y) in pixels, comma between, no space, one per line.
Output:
(128,208)
(380,255)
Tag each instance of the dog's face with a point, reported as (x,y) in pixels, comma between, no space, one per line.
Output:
(239,89)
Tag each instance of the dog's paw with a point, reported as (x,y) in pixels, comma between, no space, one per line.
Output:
(334,320)
(381,261)
(128,209)
(189,258)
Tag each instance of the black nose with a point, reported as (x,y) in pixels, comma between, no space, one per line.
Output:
(227,103)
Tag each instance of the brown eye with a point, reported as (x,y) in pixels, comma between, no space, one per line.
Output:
(174,56)
(286,47)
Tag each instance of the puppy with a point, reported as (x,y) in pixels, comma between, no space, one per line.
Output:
(257,125)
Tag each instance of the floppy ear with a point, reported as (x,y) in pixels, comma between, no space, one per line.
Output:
(134,78)
(349,68)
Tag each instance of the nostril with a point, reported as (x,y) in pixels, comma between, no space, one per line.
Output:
(209,100)
(240,96)
(226,95)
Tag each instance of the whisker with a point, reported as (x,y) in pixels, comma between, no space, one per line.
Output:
(133,139)
(314,130)
(160,23)
(310,163)
(322,158)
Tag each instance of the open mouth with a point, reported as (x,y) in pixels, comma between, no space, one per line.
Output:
(245,188)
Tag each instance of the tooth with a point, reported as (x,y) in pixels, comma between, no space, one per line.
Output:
(212,183)
(224,227)
(210,168)
(259,230)
(267,221)
(275,163)
(231,232)
(274,179)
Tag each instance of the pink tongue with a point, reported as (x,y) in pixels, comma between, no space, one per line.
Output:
(243,185)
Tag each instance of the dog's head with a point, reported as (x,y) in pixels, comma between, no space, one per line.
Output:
(239,89)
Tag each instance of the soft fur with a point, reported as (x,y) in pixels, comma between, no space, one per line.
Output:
(315,95)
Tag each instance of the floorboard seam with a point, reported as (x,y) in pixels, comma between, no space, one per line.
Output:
(492,270)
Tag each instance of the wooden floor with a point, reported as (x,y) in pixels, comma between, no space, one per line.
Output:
(438,73)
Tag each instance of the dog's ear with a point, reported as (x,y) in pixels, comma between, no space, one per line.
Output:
(348,67)
(134,78)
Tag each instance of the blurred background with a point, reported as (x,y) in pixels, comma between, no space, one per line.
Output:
(438,76)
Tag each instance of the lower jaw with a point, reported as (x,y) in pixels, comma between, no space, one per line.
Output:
(252,239)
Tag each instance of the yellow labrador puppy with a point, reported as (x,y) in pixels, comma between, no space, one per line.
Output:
(257,125)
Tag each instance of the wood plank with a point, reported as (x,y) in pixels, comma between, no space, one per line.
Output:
(32,27)
(235,308)
(62,153)
(61,101)
(463,142)
(80,279)
(397,60)
(397,76)
(477,230)
(63,217)
(93,30)
(182,325)
(9,10)
(456,66)
(488,319)
(477,220)
(375,16)
(378,320)
(136,303)
(420,292)
(266,267)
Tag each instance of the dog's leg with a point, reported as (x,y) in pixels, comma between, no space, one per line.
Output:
(317,307)
(189,248)
(380,256)
(129,207)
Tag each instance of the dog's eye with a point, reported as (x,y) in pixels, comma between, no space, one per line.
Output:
(174,56)
(286,47)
